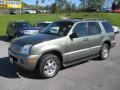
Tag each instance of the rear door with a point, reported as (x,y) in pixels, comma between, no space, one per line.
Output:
(95,37)
(79,47)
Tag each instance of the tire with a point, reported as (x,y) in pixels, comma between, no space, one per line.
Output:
(8,36)
(104,52)
(48,66)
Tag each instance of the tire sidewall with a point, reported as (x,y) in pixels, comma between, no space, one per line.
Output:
(42,62)
(101,52)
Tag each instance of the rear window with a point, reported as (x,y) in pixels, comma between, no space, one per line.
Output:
(23,25)
(42,25)
(108,27)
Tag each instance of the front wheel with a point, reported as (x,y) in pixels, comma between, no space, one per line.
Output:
(104,52)
(48,66)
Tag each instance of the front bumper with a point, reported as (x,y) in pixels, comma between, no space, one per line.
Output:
(27,62)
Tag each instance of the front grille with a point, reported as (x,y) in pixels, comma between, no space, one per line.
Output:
(15,48)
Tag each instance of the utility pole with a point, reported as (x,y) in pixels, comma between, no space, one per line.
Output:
(21,7)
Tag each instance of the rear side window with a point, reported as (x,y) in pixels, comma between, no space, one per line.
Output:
(94,28)
(108,27)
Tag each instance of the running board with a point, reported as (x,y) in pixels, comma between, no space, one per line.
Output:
(79,60)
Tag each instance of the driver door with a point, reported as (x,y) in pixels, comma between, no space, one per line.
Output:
(78,47)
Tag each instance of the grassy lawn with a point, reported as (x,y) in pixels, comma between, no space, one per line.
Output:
(114,18)
(5,19)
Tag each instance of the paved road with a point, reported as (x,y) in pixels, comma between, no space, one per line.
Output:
(91,75)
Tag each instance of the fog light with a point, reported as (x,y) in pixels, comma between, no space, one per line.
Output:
(31,61)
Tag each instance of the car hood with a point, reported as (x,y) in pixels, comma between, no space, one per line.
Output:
(34,39)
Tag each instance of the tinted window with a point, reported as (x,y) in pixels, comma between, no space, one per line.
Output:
(42,25)
(22,25)
(81,29)
(108,27)
(93,28)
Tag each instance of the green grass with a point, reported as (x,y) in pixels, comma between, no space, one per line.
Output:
(114,18)
(5,19)
(32,18)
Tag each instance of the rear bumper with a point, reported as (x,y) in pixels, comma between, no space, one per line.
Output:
(113,44)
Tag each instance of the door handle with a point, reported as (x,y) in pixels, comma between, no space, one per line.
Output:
(85,39)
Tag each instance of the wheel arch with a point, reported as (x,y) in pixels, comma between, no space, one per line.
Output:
(108,43)
(54,52)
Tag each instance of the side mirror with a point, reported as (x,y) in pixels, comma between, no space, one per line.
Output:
(74,35)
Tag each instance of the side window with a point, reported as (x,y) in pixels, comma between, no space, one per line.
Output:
(80,29)
(94,28)
(108,27)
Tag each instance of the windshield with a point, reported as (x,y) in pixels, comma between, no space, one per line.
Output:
(58,28)
(23,25)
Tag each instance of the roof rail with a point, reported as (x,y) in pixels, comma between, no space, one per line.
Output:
(88,18)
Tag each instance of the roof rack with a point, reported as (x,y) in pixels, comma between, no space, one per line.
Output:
(88,18)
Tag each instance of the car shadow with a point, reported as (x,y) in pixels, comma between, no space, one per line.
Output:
(83,62)
(4,38)
(9,70)
(74,65)
(27,74)
(33,75)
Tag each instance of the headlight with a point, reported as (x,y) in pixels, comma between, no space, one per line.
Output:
(29,31)
(26,49)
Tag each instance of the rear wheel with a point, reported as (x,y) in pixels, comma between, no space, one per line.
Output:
(104,52)
(48,66)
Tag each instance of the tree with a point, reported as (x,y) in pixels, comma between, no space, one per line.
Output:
(55,8)
(119,4)
(116,4)
(92,3)
(62,4)
(84,3)
(73,7)
(68,7)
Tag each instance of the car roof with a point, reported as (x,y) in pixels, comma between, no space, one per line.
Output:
(47,22)
(85,19)
(18,22)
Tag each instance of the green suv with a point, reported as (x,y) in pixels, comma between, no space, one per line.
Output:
(61,44)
